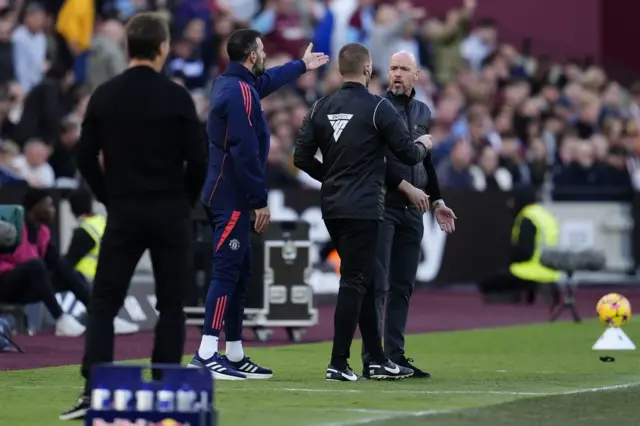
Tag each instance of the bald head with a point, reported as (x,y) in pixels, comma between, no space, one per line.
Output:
(403,73)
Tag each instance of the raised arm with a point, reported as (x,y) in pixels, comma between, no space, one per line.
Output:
(276,77)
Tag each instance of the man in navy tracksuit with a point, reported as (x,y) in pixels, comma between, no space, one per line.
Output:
(235,187)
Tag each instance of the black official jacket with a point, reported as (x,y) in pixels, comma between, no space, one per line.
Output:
(423,175)
(353,129)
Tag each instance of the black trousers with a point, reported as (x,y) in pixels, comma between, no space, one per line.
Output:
(355,240)
(397,258)
(163,226)
(32,282)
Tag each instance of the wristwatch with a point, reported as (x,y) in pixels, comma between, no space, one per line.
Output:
(437,204)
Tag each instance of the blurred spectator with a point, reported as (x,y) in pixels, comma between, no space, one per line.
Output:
(446,38)
(487,175)
(30,48)
(480,43)
(9,151)
(361,23)
(453,172)
(75,22)
(45,106)
(392,26)
(281,24)
(6,51)
(63,158)
(106,57)
(33,166)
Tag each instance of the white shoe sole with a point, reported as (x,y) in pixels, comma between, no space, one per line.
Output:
(254,376)
(216,375)
(65,334)
(75,415)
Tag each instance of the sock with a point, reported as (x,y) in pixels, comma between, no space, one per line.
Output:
(208,346)
(235,352)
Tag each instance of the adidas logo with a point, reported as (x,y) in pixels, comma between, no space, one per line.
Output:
(338,122)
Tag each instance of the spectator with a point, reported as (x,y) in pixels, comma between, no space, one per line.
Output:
(487,175)
(33,166)
(6,51)
(454,172)
(106,57)
(446,38)
(387,32)
(281,24)
(581,174)
(75,22)
(45,106)
(480,43)
(7,127)
(9,151)
(30,48)
(280,169)
(361,23)
(63,158)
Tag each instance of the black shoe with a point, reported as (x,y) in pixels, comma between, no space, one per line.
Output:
(389,371)
(341,375)
(365,371)
(78,410)
(417,373)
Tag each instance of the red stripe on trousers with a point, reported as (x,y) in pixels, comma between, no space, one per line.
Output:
(218,315)
(227,229)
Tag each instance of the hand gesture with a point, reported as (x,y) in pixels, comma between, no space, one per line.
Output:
(426,141)
(446,219)
(263,218)
(314,60)
(470,4)
(418,198)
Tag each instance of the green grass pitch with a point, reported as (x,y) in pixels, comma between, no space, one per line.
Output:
(526,376)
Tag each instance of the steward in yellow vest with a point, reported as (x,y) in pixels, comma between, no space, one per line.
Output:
(85,243)
(534,228)
(85,246)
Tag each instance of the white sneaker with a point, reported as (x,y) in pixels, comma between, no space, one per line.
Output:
(68,326)
(121,326)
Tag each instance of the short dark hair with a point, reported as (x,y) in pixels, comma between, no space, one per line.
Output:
(241,43)
(145,34)
(352,58)
(81,202)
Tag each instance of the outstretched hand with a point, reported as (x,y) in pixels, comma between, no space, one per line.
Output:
(314,60)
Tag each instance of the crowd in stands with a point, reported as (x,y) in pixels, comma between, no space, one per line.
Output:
(500,119)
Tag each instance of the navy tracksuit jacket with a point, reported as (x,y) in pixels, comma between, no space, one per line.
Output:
(238,149)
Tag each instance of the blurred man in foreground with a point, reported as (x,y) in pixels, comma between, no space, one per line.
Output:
(154,166)
(400,234)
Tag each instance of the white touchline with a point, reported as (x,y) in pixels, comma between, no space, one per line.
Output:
(384,415)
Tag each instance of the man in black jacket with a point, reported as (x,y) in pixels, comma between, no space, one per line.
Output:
(352,127)
(154,167)
(400,234)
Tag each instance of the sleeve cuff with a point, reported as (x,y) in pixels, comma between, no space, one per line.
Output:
(260,205)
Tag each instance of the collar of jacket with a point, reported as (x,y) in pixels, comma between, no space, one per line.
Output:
(352,85)
(235,68)
(404,98)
